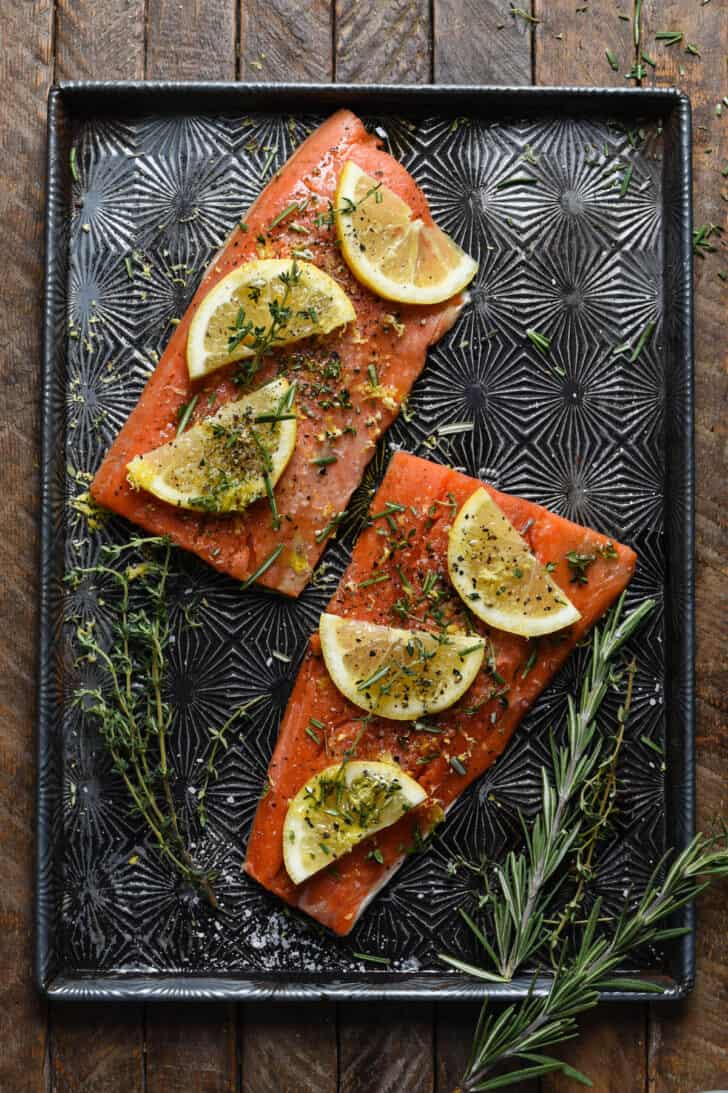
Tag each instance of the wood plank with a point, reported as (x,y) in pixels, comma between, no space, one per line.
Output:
(99,40)
(189,40)
(456,1023)
(281,40)
(289,1049)
(96,1048)
(571,40)
(379,1052)
(192,1048)
(386,42)
(27,69)
(475,42)
(611,1050)
(687,1044)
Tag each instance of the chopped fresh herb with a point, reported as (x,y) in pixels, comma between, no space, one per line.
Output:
(529,663)
(539,340)
(471,649)
(669,37)
(458,766)
(129,267)
(455,427)
(313,734)
(316,723)
(648,60)
(626,179)
(701,239)
(550,567)
(185,413)
(376,855)
(324,460)
(579,564)
(522,14)
(292,208)
(374,580)
(516,180)
(650,743)
(372,959)
(642,342)
(263,567)
(73,158)
(373,378)
(614,63)
(692,49)
(328,528)
(243,226)
(380,673)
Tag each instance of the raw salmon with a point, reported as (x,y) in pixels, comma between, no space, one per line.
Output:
(342,412)
(406,539)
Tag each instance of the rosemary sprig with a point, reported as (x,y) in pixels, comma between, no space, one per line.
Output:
(524,892)
(516,1036)
(132,715)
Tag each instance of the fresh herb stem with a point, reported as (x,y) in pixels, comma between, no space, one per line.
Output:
(263,567)
(519,903)
(133,717)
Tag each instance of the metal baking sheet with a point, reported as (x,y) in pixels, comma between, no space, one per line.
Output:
(167,169)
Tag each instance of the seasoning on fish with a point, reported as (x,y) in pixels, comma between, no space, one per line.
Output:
(342,409)
(414,509)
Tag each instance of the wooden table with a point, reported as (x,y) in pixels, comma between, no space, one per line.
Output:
(323,1048)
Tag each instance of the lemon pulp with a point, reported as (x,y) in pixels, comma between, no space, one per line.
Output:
(394,254)
(498,577)
(399,674)
(341,806)
(227,460)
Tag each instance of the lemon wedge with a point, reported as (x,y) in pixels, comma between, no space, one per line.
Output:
(339,807)
(394,255)
(498,577)
(400,674)
(228,460)
(269,302)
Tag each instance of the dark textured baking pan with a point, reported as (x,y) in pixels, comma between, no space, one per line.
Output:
(166,169)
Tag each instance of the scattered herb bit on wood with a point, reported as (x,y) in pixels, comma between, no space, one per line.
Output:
(702,237)
(614,63)
(669,37)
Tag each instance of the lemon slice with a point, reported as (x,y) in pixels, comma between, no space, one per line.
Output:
(498,577)
(221,464)
(339,807)
(400,674)
(269,302)
(396,256)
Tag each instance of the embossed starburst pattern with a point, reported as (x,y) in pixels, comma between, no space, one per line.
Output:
(566,248)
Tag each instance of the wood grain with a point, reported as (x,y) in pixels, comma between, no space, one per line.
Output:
(92,1048)
(99,40)
(380,1052)
(284,40)
(386,42)
(96,1049)
(571,40)
(289,1049)
(478,42)
(611,1050)
(688,1046)
(192,1048)
(191,40)
(27,72)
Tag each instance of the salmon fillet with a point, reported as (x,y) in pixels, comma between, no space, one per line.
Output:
(339,413)
(474,731)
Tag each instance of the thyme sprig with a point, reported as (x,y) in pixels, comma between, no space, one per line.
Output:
(516,1037)
(129,707)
